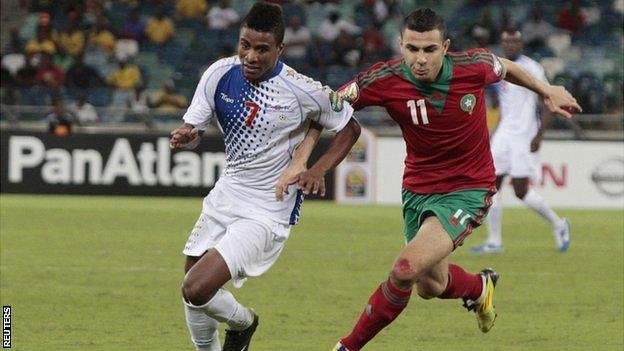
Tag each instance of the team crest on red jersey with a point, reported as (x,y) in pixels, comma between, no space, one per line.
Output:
(468,103)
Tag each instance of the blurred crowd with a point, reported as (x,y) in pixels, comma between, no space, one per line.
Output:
(99,61)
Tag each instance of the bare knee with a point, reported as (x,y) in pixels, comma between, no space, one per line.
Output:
(195,292)
(403,274)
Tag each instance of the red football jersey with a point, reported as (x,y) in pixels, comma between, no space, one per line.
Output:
(443,123)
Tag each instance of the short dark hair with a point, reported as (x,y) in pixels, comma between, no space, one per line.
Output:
(266,17)
(424,20)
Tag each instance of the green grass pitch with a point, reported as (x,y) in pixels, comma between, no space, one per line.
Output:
(104,273)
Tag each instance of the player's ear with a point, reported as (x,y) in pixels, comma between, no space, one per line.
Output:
(446,45)
(280,49)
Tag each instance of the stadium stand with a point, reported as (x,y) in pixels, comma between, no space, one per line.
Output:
(580,44)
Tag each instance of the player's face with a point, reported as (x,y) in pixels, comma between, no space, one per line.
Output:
(423,52)
(258,52)
(512,47)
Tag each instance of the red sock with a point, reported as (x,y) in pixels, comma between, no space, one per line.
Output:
(462,284)
(384,306)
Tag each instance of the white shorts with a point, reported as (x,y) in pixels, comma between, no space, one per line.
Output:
(512,155)
(249,244)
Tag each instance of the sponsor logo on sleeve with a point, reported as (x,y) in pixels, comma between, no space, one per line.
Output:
(498,66)
(336,101)
(350,93)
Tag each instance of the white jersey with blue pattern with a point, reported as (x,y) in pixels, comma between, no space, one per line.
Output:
(518,105)
(262,123)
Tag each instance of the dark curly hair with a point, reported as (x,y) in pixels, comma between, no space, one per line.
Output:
(266,17)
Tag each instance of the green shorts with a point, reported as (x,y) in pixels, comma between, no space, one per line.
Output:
(458,211)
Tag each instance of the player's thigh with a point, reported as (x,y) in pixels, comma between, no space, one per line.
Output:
(251,246)
(456,212)
(429,247)
(524,163)
(501,151)
(190,261)
(208,230)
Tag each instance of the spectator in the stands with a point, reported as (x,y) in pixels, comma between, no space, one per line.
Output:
(505,22)
(14,46)
(48,74)
(373,48)
(26,76)
(571,18)
(332,26)
(483,32)
(42,43)
(138,100)
(60,120)
(77,13)
(12,63)
(536,31)
(44,24)
(62,60)
(297,38)
(192,9)
(168,99)
(125,77)
(102,36)
(72,39)
(374,11)
(160,29)
(84,112)
(82,76)
(222,16)
(345,50)
(134,28)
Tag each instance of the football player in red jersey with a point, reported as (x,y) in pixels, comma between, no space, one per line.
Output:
(437,99)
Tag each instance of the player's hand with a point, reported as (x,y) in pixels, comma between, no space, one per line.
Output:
(289,177)
(312,181)
(536,143)
(560,101)
(184,137)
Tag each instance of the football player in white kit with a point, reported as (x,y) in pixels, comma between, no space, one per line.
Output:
(263,108)
(514,148)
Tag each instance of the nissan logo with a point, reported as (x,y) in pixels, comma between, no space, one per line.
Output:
(609,177)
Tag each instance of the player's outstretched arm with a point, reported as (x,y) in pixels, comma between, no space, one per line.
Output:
(187,136)
(299,162)
(556,98)
(313,180)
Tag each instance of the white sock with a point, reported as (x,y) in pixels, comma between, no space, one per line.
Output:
(537,203)
(495,221)
(204,330)
(224,308)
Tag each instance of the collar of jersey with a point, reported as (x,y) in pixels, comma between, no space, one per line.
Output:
(443,77)
(274,72)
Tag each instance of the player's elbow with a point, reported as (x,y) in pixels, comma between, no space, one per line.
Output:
(354,129)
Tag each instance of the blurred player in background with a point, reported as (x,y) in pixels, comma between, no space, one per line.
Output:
(438,100)
(514,146)
(263,108)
